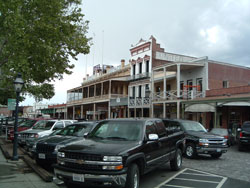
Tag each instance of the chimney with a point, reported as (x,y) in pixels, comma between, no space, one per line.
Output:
(87,76)
(123,63)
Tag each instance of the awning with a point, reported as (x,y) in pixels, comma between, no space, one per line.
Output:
(200,108)
(240,103)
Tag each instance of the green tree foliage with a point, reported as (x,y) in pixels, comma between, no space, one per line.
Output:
(38,38)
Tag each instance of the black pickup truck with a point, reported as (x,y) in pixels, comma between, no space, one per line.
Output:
(198,140)
(118,151)
(244,136)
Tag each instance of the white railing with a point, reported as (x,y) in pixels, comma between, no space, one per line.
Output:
(172,95)
(142,101)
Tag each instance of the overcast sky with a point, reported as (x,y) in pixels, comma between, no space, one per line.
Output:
(219,29)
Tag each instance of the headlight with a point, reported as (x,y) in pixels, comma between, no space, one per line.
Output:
(19,135)
(112,158)
(34,135)
(203,142)
(58,147)
(60,154)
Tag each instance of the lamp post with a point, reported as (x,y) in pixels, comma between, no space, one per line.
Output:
(18,83)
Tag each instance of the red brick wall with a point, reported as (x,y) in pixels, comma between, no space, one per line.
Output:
(226,91)
(217,73)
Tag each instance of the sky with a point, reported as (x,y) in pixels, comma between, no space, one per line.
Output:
(219,29)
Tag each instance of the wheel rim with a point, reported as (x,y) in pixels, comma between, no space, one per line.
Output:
(178,160)
(136,181)
(189,151)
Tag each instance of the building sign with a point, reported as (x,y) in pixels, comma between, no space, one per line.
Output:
(11,104)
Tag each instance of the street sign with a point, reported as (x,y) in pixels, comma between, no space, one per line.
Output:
(12,104)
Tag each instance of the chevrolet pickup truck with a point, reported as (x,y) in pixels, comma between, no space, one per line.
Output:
(118,151)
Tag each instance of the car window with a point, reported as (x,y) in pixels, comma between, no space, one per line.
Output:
(44,125)
(246,125)
(193,126)
(150,128)
(160,129)
(117,130)
(67,123)
(59,125)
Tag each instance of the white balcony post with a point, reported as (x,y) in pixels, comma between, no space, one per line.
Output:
(164,110)
(164,84)
(178,110)
(152,85)
(178,80)
(73,112)
(81,111)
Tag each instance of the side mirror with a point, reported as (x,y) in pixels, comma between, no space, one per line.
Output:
(239,129)
(85,135)
(153,137)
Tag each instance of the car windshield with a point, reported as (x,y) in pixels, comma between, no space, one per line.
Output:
(28,123)
(219,131)
(45,125)
(193,126)
(118,130)
(75,130)
(246,125)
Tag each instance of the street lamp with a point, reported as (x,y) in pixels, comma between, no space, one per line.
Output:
(18,83)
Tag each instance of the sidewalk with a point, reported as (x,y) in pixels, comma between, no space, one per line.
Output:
(15,174)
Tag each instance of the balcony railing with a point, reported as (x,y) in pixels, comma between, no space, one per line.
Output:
(139,76)
(139,101)
(184,94)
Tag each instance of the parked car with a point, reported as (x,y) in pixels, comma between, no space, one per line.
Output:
(24,125)
(46,149)
(198,140)
(41,129)
(244,136)
(226,133)
(118,151)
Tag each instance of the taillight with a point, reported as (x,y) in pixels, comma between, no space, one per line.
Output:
(241,135)
(226,136)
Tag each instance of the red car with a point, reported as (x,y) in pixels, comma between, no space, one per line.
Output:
(23,126)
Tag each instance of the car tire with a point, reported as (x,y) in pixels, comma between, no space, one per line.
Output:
(190,151)
(133,177)
(176,163)
(216,155)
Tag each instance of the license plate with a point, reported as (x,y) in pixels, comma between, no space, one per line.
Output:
(78,177)
(218,150)
(41,155)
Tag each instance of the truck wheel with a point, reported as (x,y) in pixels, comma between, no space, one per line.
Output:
(216,155)
(133,177)
(190,151)
(176,163)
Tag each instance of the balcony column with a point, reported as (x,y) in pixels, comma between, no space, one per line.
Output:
(128,112)
(178,80)
(152,110)
(178,110)
(66,113)
(164,84)
(94,118)
(101,89)
(152,86)
(81,111)
(135,112)
(164,110)
(73,112)
(95,90)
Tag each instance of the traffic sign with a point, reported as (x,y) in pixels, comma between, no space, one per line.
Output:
(11,104)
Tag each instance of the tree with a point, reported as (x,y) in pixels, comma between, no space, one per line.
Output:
(37,39)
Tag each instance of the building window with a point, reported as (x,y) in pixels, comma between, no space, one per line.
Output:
(140,68)
(134,67)
(190,85)
(225,84)
(133,92)
(147,66)
(139,91)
